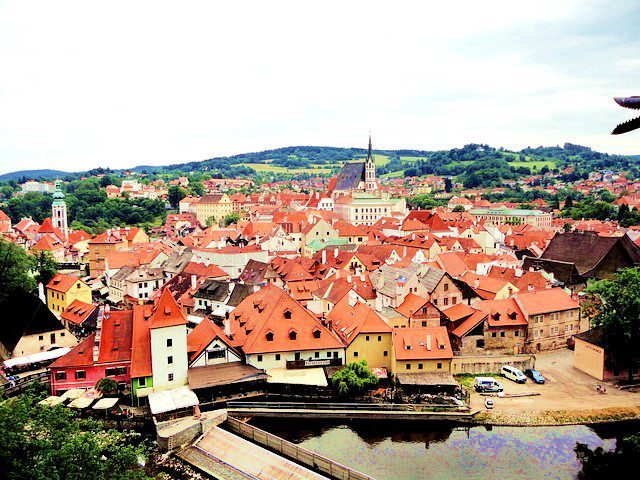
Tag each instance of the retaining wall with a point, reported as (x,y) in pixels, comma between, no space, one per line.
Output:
(490,364)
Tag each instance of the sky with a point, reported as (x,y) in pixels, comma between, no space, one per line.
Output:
(119,84)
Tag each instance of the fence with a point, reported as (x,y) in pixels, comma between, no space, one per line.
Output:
(21,383)
(303,456)
(385,407)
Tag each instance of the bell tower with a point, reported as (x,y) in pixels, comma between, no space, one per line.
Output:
(370,170)
(59,211)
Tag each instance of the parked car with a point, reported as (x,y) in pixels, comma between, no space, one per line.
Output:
(487,384)
(534,375)
(488,403)
(512,373)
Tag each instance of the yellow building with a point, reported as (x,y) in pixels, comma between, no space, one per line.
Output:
(62,290)
(213,208)
(424,349)
(364,332)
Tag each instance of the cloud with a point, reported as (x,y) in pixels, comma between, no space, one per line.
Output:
(129,83)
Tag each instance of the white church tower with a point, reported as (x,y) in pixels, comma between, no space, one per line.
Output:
(370,171)
(59,211)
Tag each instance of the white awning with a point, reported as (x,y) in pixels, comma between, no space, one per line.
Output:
(52,401)
(37,357)
(105,403)
(82,402)
(302,376)
(170,400)
(73,393)
(222,310)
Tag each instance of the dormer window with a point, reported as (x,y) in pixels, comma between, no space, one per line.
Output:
(293,335)
(269,336)
(288,314)
(316,333)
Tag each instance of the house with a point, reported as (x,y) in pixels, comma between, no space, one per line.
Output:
(575,257)
(111,241)
(105,353)
(207,344)
(5,223)
(423,349)
(212,208)
(418,312)
(553,317)
(591,356)
(271,329)
(29,327)
(80,318)
(489,288)
(62,290)
(364,332)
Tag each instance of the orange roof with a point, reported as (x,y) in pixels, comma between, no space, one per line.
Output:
(3,216)
(62,283)
(411,305)
(141,348)
(424,343)
(271,321)
(167,312)
(505,312)
(351,317)
(202,336)
(545,301)
(48,244)
(458,311)
(77,312)
(116,336)
(203,270)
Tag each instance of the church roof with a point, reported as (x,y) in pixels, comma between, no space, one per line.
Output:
(350,176)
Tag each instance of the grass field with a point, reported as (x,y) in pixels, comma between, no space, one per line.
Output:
(269,168)
(538,164)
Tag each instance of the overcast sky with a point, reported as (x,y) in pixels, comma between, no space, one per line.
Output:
(117,84)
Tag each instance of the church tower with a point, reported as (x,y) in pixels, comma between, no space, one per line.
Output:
(370,170)
(59,211)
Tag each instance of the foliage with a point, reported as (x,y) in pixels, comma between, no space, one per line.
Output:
(231,218)
(617,315)
(590,208)
(45,266)
(425,202)
(52,443)
(353,379)
(107,386)
(459,209)
(618,463)
(175,194)
(15,267)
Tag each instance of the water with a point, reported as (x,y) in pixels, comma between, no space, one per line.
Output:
(390,451)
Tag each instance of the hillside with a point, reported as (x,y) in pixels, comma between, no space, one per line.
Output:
(33,175)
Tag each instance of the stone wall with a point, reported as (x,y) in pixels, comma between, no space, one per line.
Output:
(176,433)
(489,363)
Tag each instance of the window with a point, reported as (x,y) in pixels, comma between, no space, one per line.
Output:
(170,359)
(215,354)
(169,342)
(502,334)
(170,377)
(367,338)
(420,366)
(62,334)
(293,335)
(454,300)
(316,354)
(269,336)
(407,366)
(259,358)
(385,354)
(41,337)
(493,335)
(316,334)
(142,382)
(81,374)
(328,354)
(379,338)
(61,375)
(446,287)
(110,372)
(287,314)
(277,356)
(446,301)
(517,333)
(439,365)
(355,354)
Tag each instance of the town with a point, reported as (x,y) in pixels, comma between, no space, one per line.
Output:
(307,297)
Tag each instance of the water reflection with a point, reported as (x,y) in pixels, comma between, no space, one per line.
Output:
(416,450)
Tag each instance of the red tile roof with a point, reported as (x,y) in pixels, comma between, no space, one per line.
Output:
(202,336)
(77,312)
(545,301)
(62,283)
(141,348)
(351,317)
(167,312)
(424,343)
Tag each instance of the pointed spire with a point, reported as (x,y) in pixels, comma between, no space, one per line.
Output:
(369,153)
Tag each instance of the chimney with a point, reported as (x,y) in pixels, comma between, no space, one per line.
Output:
(362,277)
(348,278)
(194,281)
(227,327)
(530,288)
(476,283)
(429,342)
(519,272)
(353,299)
(108,232)
(41,294)
(335,253)
(324,256)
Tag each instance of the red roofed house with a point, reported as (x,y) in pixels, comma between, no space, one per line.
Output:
(5,223)
(272,329)
(80,318)
(105,353)
(424,349)
(62,290)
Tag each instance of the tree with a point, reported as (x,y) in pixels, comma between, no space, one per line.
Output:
(175,194)
(617,315)
(568,202)
(41,443)
(458,209)
(15,268)
(231,218)
(107,386)
(353,379)
(45,266)
(618,463)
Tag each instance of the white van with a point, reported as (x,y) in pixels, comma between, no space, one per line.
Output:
(512,373)
(487,384)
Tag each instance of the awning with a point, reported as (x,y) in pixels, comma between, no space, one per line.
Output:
(222,311)
(224,374)
(82,402)
(144,392)
(170,400)
(73,393)
(52,401)
(105,403)
(302,376)
(381,373)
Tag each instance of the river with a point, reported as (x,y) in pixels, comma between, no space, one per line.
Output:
(404,451)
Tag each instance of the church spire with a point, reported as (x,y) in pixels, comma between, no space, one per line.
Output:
(370,170)
(369,153)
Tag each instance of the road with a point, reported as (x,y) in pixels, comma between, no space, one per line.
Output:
(566,388)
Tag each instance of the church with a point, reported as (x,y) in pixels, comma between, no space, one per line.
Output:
(357,196)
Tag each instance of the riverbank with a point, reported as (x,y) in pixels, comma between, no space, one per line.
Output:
(550,418)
